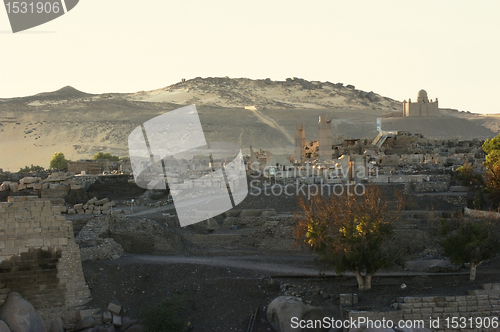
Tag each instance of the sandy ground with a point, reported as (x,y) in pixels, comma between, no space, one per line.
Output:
(80,125)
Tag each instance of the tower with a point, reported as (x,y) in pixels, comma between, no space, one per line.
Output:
(300,141)
(325,139)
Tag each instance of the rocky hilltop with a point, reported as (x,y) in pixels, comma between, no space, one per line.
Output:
(261,113)
(293,93)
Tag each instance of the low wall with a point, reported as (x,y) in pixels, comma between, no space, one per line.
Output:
(481,214)
(484,303)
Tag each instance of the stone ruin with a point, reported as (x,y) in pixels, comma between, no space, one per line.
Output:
(39,258)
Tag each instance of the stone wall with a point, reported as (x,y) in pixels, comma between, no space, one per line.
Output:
(479,303)
(425,187)
(38,255)
(481,214)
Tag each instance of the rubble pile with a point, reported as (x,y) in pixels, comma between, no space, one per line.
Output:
(94,206)
(56,185)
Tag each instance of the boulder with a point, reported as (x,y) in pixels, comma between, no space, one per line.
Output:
(283,308)
(127,322)
(85,323)
(4,327)
(20,315)
(372,96)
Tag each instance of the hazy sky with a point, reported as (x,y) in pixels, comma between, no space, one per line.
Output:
(395,48)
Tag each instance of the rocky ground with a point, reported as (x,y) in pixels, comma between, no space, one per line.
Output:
(219,291)
(217,296)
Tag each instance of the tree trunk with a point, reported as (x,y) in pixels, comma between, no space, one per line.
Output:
(364,282)
(473,268)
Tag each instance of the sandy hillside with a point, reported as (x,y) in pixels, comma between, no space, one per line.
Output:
(80,124)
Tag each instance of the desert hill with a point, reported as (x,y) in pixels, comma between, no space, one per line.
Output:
(80,124)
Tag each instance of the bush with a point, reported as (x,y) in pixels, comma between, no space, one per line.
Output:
(166,316)
(31,168)
(107,156)
(59,161)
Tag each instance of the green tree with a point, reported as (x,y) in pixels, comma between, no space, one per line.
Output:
(31,168)
(59,161)
(471,242)
(107,156)
(492,149)
(352,233)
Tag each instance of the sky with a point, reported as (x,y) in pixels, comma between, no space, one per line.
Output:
(394,48)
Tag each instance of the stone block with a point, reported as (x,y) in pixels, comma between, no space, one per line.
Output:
(348,299)
(109,204)
(114,308)
(101,201)
(117,320)
(92,201)
(14,187)
(107,317)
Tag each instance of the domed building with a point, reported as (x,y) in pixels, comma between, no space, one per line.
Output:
(423,107)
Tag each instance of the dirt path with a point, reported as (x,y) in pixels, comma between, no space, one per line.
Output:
(273,124)
(272,265)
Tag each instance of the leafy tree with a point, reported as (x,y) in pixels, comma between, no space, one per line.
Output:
(472,242)
(107,156)
(352,233)
(31,168)
(59,161)
(492,149)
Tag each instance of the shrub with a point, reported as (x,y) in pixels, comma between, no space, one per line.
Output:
(31,168)
(107,156)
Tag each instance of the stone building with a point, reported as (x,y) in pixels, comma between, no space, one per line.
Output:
(423,107)
(89,166)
